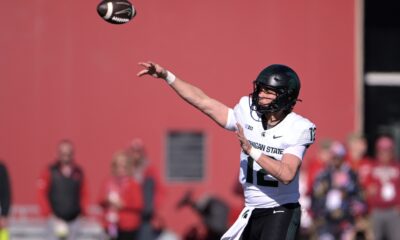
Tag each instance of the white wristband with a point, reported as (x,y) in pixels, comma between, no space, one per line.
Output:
(170,77)
(255,153)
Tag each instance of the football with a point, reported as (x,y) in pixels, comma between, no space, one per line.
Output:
(116,11)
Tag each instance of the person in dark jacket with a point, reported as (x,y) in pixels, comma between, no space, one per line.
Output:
(336,198)
(62,194)
(5,196)
(146,176)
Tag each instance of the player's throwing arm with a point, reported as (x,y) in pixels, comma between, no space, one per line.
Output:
(191,94)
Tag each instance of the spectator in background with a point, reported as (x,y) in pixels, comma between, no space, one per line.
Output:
(311,169)
(317,164)
(356,157)
(358,160)
(122,200)
(336,198)
(383,191)
(62,194)
(145,175)
(237,205)
(214,213)
(5,199)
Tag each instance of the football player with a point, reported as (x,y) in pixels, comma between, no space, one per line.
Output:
(273,140)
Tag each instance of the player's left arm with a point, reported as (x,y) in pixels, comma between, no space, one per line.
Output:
(284,170)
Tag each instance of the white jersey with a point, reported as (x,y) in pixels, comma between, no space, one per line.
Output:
(292,135)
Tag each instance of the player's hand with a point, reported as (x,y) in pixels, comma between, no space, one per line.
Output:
(244,143)
(152,69)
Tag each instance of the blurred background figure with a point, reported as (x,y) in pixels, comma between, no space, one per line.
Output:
(361,164)
(214,214)
(237,205)
(122,200)
(357,158)
(336,198)
(311,169)
(317,164)
(383,190)
(146,176)
(5,200)
(62,194)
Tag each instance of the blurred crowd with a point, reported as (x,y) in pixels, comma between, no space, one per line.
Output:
(349,195)
(345,194)
(129,197)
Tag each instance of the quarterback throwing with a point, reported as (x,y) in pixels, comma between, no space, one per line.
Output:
(273,139)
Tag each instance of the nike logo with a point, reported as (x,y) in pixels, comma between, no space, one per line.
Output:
(275,137)
(278,211)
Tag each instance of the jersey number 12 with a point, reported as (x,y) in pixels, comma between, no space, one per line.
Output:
(260,176)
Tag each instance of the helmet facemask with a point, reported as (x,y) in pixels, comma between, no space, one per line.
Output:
(281,102)
(284,82)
